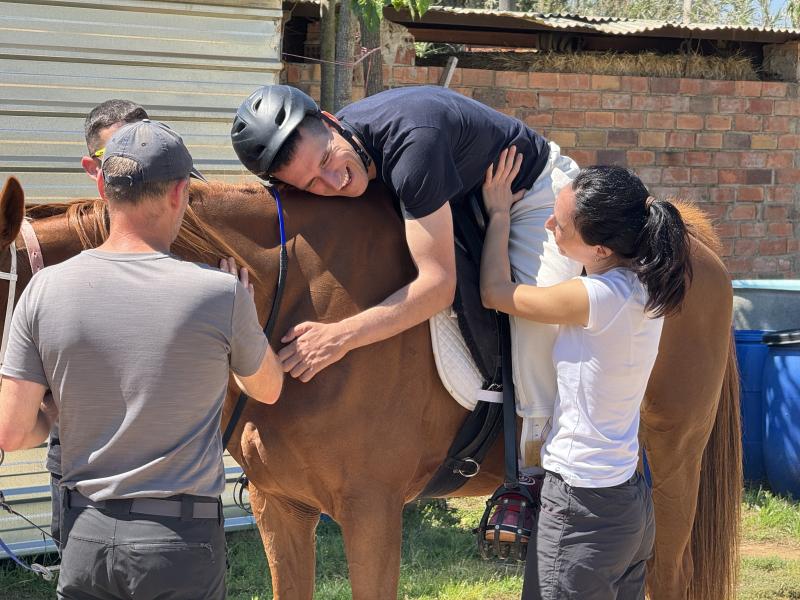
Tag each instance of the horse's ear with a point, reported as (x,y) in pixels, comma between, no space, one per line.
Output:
(12,211)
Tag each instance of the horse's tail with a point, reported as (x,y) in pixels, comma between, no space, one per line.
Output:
(715,535)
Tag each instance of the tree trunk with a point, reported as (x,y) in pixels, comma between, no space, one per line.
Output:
(373,64)
(507,5)
(327,52)
(343,89)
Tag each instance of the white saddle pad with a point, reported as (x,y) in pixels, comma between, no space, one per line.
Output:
(457,370)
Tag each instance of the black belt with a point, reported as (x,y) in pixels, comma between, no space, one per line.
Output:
(186,507)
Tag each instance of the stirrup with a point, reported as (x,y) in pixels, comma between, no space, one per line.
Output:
(497,543)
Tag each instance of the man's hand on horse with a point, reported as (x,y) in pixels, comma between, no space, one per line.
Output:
(229,266)
(310,347)
(497,196)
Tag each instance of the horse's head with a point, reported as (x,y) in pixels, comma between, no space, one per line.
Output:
(12,211)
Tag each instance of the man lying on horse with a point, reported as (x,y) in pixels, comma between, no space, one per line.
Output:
(431,147)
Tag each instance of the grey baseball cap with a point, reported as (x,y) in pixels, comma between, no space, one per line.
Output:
(157,149)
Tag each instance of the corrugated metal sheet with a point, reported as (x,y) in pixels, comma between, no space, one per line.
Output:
(189,64)
(26,486)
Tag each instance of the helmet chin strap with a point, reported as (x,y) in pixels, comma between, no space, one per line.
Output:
(347,134)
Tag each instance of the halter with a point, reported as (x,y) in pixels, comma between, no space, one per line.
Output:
(34,251)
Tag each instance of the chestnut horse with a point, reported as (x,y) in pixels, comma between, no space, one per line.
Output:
(365,435)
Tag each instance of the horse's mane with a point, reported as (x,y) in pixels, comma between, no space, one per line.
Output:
(699,225)
(89,219)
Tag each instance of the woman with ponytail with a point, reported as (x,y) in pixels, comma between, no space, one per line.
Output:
(596,527)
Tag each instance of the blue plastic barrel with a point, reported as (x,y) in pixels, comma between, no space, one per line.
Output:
(751,354)
(781,443)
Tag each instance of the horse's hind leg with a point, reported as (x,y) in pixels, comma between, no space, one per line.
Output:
(287,531)
(372,529)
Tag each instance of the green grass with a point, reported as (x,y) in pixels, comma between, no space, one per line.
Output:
(440,558)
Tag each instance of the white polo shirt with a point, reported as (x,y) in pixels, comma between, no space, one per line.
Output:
(603,370)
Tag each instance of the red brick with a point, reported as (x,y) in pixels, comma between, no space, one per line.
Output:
(660,120)
(709,140)
(780,160)
(726,248)
(731,176)
(413,74)
(727,230)
(765,265)
(520,98)
(747,123)
(774,88)
(753,230)
(539,119)
(511,79)
(698,159)
(715,211)
(787,107)
(584,158)
(292,72)
(599,119)
(746,247)
(779,124)
(664,85)
(718,122)
(671,158)
(477,77)
(565,139)
(704,176)
(622,137)
(723,194)
(606,82)
(464,91)
(736,141)
(640,157)
(647,103)
(553,100)
(772,247)
(568,118)
(634,84)
(726,159)
(760,106)
(679,104)
(742,212)
(596,138)
(750,194)
(690,87)
(689,122)
(753,159)
(776,213)
(585,100)
(789,142)
(703,104)
(545,81)
(616,101)
(787,175)
(740,266)
(719,88)
(748,88)
(758,176)
(781,194)
(780,229)
(675,175)
(677,139)
(435,73)
(696,194)
(764,141)
(649,175)
(732,105)
(574,81)
(629,120)
(652,139)
(611,157)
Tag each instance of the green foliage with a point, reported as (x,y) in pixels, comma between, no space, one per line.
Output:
(770,517)
(372,10)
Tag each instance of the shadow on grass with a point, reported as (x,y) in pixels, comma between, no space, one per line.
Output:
(439,560)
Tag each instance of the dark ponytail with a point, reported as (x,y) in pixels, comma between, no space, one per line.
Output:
(614,209)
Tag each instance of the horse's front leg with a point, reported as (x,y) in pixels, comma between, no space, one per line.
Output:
(372,528)
(287,531)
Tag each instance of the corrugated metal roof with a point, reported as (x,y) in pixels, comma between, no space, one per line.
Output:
(609,25)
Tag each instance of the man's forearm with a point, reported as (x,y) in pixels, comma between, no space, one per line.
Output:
(407,307)
(31,438)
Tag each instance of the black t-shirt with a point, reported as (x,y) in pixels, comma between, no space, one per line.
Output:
(432,145)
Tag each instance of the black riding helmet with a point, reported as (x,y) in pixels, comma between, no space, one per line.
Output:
(263,123)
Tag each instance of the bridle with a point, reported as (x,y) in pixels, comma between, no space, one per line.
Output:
(34,251)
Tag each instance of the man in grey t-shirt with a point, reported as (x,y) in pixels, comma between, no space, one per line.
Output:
(136,347)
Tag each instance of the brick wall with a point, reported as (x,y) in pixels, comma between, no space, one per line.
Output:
(731,146)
